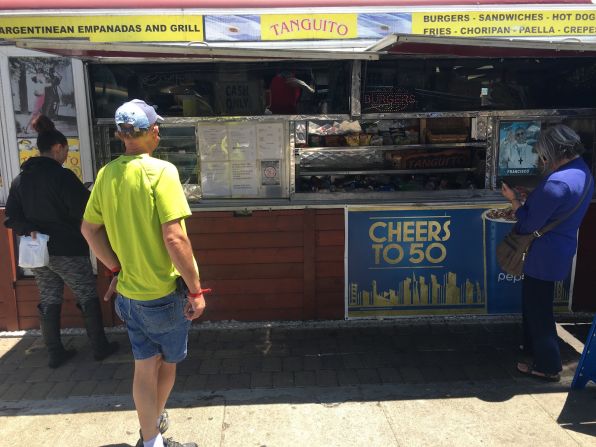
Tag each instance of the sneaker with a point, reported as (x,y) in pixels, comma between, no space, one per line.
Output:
(171,443)
(164,424)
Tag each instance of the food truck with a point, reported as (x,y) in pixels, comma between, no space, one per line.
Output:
(341,160)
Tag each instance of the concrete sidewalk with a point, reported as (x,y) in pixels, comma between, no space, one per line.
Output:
(436,382)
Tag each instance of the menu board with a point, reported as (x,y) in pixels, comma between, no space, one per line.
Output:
(270,140)
(213,142)
(215,179)
(243,141)
(244,180)
(240,159)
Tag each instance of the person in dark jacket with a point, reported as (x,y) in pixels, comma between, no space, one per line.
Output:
(49,199)
(550,256)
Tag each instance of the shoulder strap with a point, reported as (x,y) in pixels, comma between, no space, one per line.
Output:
(552,225)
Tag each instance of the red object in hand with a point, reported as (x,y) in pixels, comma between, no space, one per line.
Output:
(196,295)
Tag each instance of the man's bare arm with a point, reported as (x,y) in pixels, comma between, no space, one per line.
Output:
(97,238)
(180,251)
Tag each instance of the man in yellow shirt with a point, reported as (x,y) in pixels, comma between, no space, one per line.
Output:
(134,222)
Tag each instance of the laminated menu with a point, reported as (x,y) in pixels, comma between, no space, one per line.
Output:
(213,142)
(270,140)
(244,180)
(241,159)
(243,142)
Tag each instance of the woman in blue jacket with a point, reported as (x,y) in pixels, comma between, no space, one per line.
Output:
(550,257)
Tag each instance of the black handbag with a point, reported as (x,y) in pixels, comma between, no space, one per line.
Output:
(513,249)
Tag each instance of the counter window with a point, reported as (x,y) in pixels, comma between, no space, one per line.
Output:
(389,155)
(224,89)
(177,145)
(433,85)
(222,160)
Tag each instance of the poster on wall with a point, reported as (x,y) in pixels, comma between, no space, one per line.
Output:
(408,261)
(516,148)
(28,148)
(439,260)
(43,86)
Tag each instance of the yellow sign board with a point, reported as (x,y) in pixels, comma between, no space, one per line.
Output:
(282,27)
(133,28)
(309,26)
(530,23)
(28,149)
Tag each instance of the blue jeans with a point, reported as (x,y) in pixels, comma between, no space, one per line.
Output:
(156,327)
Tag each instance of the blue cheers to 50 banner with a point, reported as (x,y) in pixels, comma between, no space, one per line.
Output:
(414,261)
(428,260)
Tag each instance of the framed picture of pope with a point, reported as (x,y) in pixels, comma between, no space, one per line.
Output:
(516,148)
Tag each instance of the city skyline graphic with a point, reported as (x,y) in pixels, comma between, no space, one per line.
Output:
(417,290)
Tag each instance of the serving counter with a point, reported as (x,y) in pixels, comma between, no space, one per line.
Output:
(329,216)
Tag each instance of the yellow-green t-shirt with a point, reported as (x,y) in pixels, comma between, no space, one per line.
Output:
(132,197)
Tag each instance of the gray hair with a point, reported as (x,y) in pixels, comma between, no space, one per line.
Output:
(127,132)
(558,142)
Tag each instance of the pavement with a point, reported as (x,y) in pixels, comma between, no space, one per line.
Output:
(413,382)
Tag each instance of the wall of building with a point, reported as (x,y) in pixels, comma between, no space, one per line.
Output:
(584,298)
(271,265)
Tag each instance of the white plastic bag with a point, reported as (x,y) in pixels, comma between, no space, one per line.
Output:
(33,253)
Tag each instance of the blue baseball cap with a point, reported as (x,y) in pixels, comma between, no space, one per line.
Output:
(138,114)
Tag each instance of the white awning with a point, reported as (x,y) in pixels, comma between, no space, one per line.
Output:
(447,46)
(173,52)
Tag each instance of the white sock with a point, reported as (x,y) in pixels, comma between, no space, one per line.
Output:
(155,442)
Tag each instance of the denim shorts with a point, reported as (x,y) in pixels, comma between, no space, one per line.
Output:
(156,326)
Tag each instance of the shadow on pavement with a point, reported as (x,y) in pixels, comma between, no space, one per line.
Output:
(579,330)
(579,412)
(345,362)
